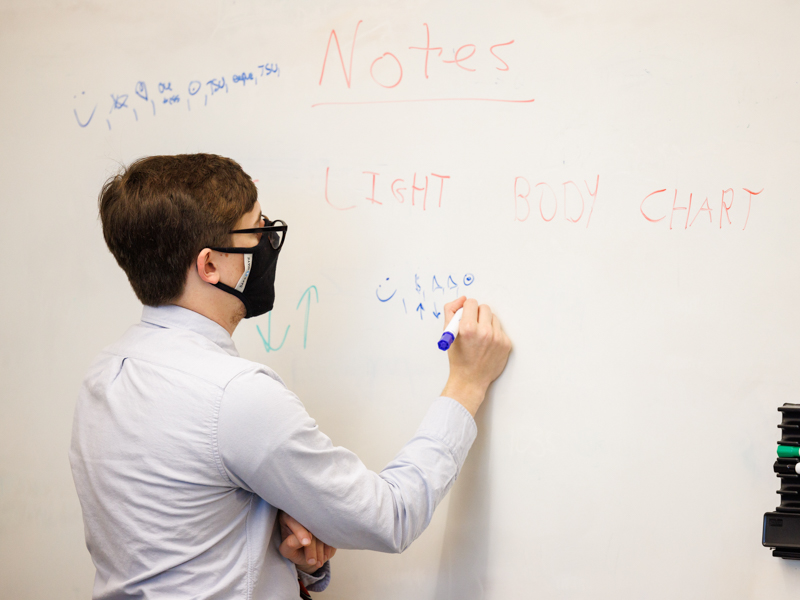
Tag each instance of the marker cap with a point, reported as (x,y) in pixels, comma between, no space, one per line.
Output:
(446,340)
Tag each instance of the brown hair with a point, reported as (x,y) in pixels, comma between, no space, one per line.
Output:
(160,212)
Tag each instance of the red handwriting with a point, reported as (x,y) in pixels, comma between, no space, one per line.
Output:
(569,197)
(399,75)
(348,73)
(424,189)
(405,101)
(656,207)
(387,69)
(331,204)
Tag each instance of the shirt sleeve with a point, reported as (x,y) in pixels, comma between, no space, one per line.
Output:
(318,580)
(269,445)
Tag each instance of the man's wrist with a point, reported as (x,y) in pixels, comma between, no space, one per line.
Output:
(469,394)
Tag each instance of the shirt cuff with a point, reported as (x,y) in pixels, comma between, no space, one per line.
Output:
(318,580)
(447,420)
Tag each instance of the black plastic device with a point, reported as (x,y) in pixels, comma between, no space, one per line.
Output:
(782,527)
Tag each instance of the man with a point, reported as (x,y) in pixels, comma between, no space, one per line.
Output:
(183,453)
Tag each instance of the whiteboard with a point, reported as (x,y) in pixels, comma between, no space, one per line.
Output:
(616,179)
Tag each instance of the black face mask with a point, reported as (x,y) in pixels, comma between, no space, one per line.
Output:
(256,287)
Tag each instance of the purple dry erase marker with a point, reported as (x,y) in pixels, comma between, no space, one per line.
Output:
(451,331)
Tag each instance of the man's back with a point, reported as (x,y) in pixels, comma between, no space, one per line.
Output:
(146,463)
(182,452)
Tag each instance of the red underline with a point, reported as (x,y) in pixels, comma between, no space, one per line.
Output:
(424,100)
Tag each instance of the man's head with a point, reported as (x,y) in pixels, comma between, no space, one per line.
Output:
(162,211)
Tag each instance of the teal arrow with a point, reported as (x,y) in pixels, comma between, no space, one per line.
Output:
(308,309)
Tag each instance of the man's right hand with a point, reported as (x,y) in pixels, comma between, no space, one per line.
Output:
(478,355)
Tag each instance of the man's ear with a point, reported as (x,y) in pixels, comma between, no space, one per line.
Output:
(206,268)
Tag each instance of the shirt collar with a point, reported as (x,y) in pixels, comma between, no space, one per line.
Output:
(177,317)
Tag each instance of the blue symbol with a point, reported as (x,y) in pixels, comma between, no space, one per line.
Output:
(420,310)
(243,78)
(384,299)
(77,118)
(436,285)
(119,102)
(269,69)
(194,87)
(469,279)
(217,85)
(435,314)
(141,90)
(416,283)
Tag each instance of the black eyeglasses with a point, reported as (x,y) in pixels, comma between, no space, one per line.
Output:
(276,234)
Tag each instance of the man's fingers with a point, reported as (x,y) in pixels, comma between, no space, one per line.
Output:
(500,334)
(451,307)
(287,550)
(300,543)
(311,554)
(296,528)
(497,328)
(469,317)
(320,553)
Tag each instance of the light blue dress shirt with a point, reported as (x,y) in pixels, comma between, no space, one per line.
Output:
(182,453)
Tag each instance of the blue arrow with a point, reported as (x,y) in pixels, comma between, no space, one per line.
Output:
(435,314)
(420,309)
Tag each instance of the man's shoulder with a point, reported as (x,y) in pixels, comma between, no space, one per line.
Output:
(181,351)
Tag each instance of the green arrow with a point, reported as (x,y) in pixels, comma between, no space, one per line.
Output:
(308,309)
(267,340)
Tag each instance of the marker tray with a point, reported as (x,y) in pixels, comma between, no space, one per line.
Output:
(781,529)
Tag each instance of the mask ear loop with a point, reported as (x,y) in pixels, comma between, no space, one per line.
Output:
(238,294)
(248,264)
(248,258)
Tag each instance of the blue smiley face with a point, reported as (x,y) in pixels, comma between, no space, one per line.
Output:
(382,293)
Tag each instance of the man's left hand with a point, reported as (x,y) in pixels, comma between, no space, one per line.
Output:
(301,547)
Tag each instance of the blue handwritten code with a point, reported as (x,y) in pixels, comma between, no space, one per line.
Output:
(122,104)
(425,295)
(243,78)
